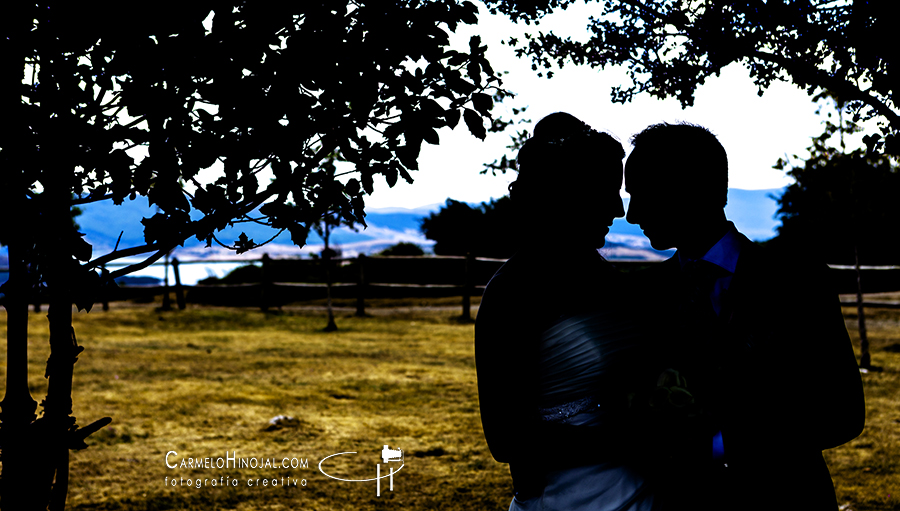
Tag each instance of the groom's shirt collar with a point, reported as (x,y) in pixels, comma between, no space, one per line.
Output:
(723,254)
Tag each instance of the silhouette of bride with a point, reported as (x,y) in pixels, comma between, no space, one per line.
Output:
(555,347)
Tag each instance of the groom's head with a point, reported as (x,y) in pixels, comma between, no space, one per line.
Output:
(677,176)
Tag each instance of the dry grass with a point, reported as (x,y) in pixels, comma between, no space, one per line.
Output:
(205,381)
(865,470)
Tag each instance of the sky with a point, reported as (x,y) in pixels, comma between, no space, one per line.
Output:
(755,131)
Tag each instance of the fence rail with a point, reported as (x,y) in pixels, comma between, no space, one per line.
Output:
(872,305)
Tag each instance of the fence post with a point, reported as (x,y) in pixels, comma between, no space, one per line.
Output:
(467,288)
(865,360)
(361,286)
(264,290)
(179,292)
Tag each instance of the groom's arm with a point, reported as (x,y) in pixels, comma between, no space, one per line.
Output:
(835,412)
(802,391)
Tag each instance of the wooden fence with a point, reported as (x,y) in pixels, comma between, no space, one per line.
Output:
(282,281)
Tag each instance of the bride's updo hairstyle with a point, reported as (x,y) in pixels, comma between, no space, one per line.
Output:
(566,170)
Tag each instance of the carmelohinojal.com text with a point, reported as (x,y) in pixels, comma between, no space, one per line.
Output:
(233,462)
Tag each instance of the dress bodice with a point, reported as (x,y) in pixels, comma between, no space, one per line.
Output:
(583,366)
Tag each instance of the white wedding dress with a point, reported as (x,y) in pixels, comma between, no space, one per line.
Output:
(580,357)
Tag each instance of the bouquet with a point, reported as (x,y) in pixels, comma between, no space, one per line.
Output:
(670,424)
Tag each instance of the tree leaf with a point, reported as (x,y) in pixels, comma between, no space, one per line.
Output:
(155,228)
(451,116)
(365,176)
(402,171)
(352,187)
(431,136)
(243,244)
(474,123)
(482,103)
(390,174)
(81,249)
(299,233)
(409,156)
(474,72)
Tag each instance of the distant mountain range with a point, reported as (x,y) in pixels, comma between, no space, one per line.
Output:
(753,211)
(102,224)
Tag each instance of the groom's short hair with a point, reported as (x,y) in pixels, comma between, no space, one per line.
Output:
(683,157)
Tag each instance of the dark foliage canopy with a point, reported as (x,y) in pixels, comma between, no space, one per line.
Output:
(403,249)
(483,231)
(670,47)
(216,112)
(842,203)
(121,101)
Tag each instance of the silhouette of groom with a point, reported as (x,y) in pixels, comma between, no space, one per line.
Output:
(759,335)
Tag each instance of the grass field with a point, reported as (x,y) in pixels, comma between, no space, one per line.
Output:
(865,470)
(206,381)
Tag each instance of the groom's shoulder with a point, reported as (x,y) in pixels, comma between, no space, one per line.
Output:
(787,264)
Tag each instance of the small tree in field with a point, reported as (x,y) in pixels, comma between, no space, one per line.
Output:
(403,248)
(324,228)
(483,231)
(221,108)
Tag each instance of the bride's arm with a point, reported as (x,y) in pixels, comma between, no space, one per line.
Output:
(506,336)
(505,355)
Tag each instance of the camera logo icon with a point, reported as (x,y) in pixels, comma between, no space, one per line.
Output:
(388,456)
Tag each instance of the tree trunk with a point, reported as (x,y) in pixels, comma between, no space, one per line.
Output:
(864,359)
(36,450)
(179,291)
(361,287)
(64,352)
(56,420)
(18,406)
(166,303)
(331,326)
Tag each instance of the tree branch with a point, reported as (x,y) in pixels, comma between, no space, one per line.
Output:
(141,265)
(826,81)
(118,254)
